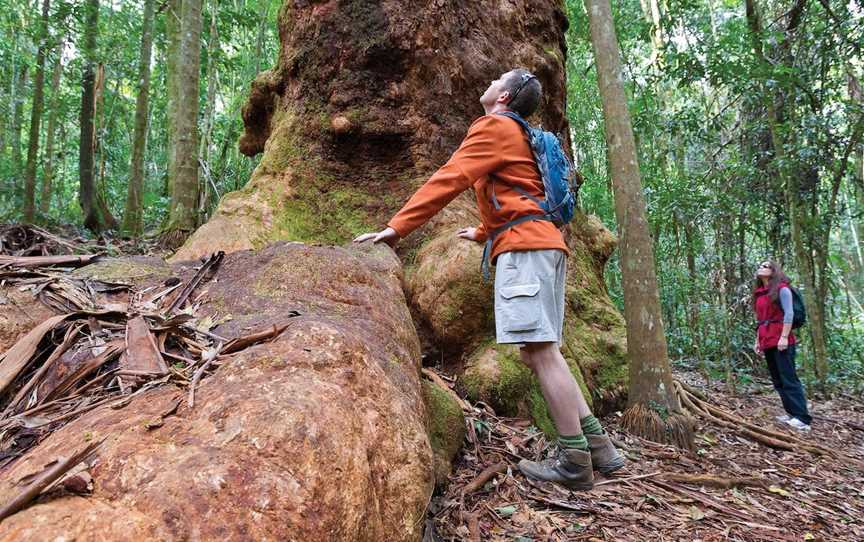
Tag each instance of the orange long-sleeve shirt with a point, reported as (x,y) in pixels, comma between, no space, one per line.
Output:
(496,148)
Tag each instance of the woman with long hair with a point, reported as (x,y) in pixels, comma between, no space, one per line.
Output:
(772,302)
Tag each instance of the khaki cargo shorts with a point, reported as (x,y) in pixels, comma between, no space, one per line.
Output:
(529,296)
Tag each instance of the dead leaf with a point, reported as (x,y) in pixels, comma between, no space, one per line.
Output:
(779,490)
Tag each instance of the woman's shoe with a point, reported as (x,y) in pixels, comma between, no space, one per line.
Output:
(783,418)
(798,425)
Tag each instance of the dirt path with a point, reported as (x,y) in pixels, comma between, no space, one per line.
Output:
(665,493)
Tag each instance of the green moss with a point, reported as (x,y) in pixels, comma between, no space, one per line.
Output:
(540,413)
(445,427)
(498,377)
(124,270)
(283,148)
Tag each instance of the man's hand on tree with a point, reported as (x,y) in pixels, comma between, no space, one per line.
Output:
(468,233)
(387,235)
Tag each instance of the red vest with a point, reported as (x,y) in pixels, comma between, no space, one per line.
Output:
(769,334)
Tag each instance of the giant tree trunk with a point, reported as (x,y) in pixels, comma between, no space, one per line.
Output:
(133,222)
(654,411)
(366,101)
(183,207)
(36,117)
(205,143)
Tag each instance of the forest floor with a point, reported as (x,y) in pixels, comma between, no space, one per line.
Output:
(730,488)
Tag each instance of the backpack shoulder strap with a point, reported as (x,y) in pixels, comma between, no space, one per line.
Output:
(526,127)
(515,116)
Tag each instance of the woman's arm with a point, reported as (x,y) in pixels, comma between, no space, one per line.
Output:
(788,314)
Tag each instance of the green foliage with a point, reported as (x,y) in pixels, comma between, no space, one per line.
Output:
(709,171)
(247,42)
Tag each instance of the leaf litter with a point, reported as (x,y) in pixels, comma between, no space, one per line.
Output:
(109,343)
(749,478)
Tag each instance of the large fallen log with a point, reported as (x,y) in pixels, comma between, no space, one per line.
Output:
(317,434)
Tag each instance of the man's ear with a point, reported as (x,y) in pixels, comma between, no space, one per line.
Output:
(504,98)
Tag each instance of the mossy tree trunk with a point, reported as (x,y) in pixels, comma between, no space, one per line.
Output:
(183,177)
(366,100)
(97,218)
(36,117)
(654,411)
(51,129)
(133,222)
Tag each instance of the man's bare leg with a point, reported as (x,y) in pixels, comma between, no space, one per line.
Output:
(563,395)
(571,413)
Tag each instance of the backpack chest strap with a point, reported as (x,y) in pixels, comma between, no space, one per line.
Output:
(487,249)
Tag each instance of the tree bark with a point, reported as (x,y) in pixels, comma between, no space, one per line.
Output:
(48,173)
(183,207)
(654,411)
(36,117)
(133,221)
(172,52)
(205,205)
(96,217)
(18,96)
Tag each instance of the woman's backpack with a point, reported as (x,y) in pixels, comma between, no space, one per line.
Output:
(799,311)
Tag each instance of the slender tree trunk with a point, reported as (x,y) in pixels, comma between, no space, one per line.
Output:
(133,221)
(18,96)
(36,117)
(183,207)
(172,52)
(48,173)
(95,218)
(209,111)
(654,410)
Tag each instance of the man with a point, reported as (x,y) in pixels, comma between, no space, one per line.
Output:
(530,260)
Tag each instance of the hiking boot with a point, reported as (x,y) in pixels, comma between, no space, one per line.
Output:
(798,425)
(571,468)
(604,456)
(782,418)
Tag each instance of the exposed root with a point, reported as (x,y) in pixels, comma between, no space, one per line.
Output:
(699,406)
(676,429)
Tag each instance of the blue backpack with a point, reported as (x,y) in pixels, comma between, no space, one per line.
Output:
(559,202)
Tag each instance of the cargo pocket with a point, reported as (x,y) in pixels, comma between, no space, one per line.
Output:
(520,308)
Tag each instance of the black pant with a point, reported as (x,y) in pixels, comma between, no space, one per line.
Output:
(781,365)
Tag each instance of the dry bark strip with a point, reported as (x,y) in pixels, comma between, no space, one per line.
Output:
(112,349)
(142,354)
(210,264)
(16,358)
(54,472)
(487,474)
(240,343)
(29,262)
(68,340)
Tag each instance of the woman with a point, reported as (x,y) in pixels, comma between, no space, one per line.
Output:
(772,301)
